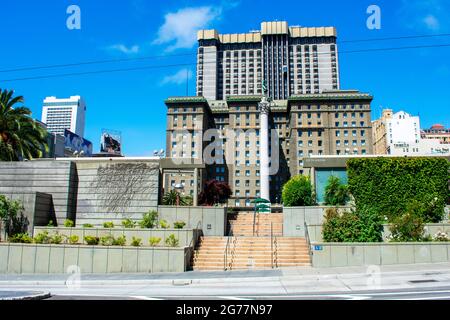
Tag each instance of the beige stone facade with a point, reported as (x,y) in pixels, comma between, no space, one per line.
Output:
(331,123)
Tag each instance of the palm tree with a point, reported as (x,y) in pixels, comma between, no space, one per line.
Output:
(21,137)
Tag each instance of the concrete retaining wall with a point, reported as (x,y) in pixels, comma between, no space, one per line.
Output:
(294,219)
(315,233)
(57,178)
(187,237)
(212,220)
(58,259)
(119,189)
(363,254)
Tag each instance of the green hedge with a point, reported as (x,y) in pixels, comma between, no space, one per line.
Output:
(389,185)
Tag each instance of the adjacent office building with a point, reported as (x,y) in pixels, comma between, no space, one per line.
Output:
(290,60)
(61,114)
(330,123)
(399,134)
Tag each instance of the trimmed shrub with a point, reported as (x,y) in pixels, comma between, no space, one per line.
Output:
(352,226)
(298,191)
(163,224)
(388,185)
(107,240)
(50,224)
(154,241)
(69,223)
(56,238)
(120,241)
(42,238)
(92,241)
(179,224)
(108,225)
(20,238)
(73,239)
(336,194)
(149,220)
(88,225)
(136,242)
(172,241)
(128,223)
(407,228)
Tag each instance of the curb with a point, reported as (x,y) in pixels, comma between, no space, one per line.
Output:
(36,296)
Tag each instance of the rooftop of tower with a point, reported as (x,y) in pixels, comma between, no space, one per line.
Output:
(268,28)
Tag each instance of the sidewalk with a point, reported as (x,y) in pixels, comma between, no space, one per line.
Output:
(298,275)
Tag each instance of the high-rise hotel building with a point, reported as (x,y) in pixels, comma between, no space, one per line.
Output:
(329,123)
(61,114)
(290,60)
(307,113)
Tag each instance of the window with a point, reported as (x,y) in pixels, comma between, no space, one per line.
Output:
(238,173)
(338,133)
(237,203)
(338,143)
(237,183)
(310,143)
(247,173)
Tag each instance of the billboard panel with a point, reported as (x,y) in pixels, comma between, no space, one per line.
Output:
(111,142)
(74,142)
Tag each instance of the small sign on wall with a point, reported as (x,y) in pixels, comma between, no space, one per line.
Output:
(318,248)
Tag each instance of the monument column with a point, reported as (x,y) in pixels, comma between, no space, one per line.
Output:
(264,108)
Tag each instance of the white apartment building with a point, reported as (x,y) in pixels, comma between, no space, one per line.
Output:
(403,137)
(61,114)
(290,60)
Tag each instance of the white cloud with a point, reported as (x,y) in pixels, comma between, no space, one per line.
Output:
(180,28)
(178,78)
(428,15)
(431,22)
(124,49)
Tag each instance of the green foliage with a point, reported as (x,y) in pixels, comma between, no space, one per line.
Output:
(69,223)
(42,238)
(108,225)
(154,241)
(21,137)
(11,215)
(149,220)
(91,240)
(441,237)
(128,223)
(163,224)
(88,225)
(120,241)
(363,225)
(172,241)
(107,240)
(179,224)
(136,242)
(298,191)
(335,192)
(20,238)
(170,199)
(56,238)
(73,239)
(410,226)
(50,224)
(388,185)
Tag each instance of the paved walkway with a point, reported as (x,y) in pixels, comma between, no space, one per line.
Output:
(293,283)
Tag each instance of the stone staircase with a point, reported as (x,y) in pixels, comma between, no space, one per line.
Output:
(241,225)
(245,250)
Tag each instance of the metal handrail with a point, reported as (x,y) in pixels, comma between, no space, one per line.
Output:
(271,243)
(227,247)
(308,241)
(191,244)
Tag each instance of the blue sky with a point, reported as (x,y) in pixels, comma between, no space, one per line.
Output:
(34,33)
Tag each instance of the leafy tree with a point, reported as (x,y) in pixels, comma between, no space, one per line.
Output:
(170,199)
(335,192)
(11,215)
(298,191)
(20,136)
(215,192)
